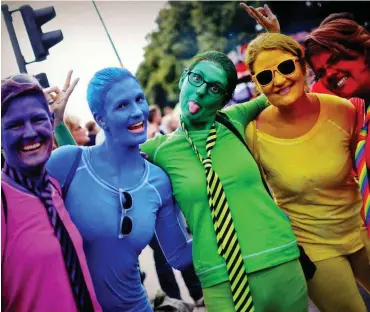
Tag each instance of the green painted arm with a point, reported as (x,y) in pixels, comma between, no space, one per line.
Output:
(63,136)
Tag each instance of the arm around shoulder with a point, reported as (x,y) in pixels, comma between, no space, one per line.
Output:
(150,146)
(248,111)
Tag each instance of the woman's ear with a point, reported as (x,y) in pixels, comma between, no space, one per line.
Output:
(182,78)
(100,120)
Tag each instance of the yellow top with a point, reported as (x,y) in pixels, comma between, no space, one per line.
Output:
(311,179)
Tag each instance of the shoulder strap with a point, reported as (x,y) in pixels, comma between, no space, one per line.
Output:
(4,204)
(223,119)
(71,173)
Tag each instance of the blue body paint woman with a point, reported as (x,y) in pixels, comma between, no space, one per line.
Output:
(117,199)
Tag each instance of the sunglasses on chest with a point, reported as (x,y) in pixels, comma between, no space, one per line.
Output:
(285,68)
(125,199)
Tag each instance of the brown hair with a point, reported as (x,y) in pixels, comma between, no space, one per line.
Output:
(90,125)
(273,41)
(339,34)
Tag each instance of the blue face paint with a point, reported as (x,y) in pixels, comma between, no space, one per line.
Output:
(126,113)
(27,133)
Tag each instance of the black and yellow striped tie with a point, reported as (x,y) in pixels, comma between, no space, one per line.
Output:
(227,241)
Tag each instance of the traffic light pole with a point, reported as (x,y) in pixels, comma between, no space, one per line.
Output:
(13,38)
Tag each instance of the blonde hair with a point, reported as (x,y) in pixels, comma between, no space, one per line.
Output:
(72,122)
(273,41)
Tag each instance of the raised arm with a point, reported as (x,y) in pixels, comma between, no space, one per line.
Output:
(171,232)
(263,16)
(63,136)
(58,100)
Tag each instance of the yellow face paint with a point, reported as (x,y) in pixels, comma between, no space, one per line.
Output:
(283,89)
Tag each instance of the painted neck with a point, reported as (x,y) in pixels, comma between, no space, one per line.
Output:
(121,157)
(33,174)
(299,109)
(195,125)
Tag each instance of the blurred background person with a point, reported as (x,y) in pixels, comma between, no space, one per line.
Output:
(170,123)
(154,121)
(92,129)
(78,132)
(167,110)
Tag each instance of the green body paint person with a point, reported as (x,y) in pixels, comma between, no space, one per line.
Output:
(244,250)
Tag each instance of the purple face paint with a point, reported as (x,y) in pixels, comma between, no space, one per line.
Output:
(27,133)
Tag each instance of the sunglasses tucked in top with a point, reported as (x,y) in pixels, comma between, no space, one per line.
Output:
(125,199)
(285,68)
(213,89)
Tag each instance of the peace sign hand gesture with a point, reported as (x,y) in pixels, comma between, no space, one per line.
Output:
(263,16)
(58,99)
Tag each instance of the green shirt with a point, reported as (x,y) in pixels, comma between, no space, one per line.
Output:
(263,230)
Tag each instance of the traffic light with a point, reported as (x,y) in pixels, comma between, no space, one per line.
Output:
(33,20)
(43,80)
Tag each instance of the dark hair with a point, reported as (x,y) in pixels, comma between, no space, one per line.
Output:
(224,61)
(11,89)
(90,125)
(340,34)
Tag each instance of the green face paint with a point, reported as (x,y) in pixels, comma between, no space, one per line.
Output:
(202,94)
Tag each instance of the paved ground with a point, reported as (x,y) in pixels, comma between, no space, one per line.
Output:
(152,285)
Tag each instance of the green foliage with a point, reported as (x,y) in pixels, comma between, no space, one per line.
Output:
(184,29)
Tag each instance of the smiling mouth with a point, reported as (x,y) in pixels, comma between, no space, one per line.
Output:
(31,147)
(285,90)
(341,82)
(137,128)
(193,107)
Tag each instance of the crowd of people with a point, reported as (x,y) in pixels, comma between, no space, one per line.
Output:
(261,205)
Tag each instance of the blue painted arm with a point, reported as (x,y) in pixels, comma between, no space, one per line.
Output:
(171,230)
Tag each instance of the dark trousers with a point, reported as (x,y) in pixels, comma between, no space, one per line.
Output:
(167,278)
(365,296)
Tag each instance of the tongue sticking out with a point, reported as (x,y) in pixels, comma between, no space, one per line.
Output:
(193,107)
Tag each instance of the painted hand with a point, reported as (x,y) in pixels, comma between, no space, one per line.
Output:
(58,99)
(264,17)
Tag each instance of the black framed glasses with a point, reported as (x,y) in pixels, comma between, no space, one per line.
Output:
(213,89)
(125,227)
(285,68)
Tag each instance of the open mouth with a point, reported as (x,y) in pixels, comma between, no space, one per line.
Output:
(193,107)
(341,82)
(137,128)
(31,147)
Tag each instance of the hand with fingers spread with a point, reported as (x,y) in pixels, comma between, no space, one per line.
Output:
(263,16)
(58,99)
